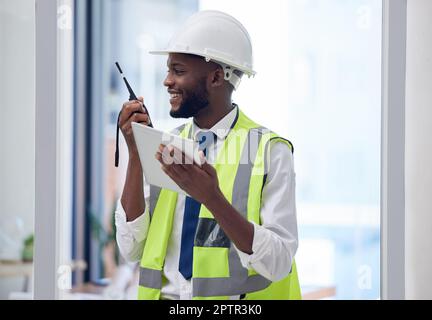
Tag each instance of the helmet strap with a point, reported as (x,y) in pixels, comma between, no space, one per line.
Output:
(229,75)
(234,80)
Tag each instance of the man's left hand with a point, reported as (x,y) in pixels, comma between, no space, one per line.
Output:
(201,183)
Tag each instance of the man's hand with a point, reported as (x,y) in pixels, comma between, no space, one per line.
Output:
(132,111)
(132,198)
(201,183)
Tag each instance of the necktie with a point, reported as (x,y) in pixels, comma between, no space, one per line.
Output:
(190,218)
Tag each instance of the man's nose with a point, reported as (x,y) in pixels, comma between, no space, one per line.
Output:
(168,81)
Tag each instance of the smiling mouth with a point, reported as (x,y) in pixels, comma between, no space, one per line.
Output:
(175,98)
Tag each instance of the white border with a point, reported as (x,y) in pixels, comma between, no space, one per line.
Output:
(393,150)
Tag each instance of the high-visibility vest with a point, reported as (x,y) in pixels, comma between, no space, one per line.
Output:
(217,272)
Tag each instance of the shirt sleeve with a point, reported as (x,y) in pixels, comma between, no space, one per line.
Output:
(131,235)
(275,242)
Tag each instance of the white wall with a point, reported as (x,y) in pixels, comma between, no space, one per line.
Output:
(418,151)
(17,128)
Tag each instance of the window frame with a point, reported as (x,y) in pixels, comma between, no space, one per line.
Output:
(393,150)
(46,148)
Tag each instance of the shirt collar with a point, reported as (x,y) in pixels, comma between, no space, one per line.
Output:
(222,127)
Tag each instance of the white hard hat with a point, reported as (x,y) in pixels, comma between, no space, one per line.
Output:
(217,37)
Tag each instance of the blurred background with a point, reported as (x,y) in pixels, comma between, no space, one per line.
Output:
(318,84)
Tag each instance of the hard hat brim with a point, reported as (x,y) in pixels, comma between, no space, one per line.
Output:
(160,52)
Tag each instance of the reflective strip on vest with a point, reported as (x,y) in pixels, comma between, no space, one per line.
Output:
(150,278)
(244,171)
(239,282)
(154,195)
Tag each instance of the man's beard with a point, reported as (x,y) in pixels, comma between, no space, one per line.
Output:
(192,102)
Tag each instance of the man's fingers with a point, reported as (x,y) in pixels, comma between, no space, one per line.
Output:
(202,157)
(172,153)
(206,166)
(179,170)
(140,118)
(163,159)
(158,157)
(165,154)
(209,169)
(128,110)
(179,157)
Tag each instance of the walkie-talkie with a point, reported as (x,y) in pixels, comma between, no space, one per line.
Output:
(132,96)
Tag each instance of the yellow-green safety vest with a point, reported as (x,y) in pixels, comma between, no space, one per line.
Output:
(217,272)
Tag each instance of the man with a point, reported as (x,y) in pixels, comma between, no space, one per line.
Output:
(235,236)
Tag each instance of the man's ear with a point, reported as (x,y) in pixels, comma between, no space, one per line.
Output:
(217,78)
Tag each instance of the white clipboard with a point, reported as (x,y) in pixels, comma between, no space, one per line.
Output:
(148,140)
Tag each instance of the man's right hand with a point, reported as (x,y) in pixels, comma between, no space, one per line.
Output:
(132,111)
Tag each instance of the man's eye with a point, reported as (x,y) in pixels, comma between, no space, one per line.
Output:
(176,71)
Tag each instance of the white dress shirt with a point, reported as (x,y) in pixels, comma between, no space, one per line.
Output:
(274,243)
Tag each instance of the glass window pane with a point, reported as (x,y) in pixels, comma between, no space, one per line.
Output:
(318,66)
